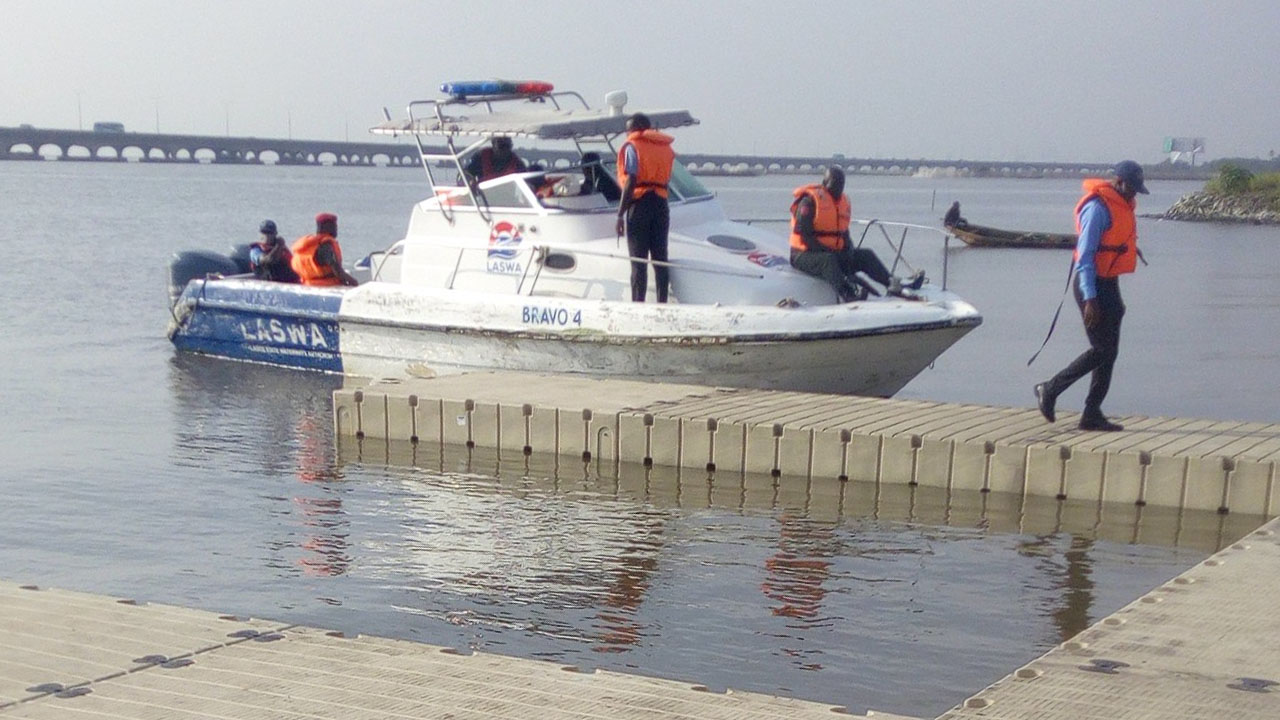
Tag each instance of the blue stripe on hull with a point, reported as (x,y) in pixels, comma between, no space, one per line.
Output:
(286,325)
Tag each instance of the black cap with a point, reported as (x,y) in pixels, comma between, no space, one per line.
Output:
(267,226)
(1131,173)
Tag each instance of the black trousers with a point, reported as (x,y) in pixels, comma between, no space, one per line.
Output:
(648,221)
(837,266)
(1104,347)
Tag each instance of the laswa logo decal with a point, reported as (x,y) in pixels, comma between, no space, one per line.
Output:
(504,246)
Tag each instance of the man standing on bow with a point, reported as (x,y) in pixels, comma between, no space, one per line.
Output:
(1107,249)
(644,168)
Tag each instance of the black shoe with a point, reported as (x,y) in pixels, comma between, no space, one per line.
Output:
(1046,402)
(1099,423)
(916,282)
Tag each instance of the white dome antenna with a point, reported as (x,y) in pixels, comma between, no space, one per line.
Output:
(616,100)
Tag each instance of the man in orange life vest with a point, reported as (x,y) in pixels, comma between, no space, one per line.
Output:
(494,161)
(317,259)
(1107,249)
(820,243)
(644,168)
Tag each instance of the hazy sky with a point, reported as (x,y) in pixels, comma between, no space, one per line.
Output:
(972,79)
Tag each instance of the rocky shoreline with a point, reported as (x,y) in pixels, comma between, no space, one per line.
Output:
(1211,207)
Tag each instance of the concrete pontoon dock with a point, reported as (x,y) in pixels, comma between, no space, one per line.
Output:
(66,655)
(1178,463)
(1199,646)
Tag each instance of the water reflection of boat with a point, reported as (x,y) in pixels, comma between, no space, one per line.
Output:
(275,421)
(984,236)
(500,275)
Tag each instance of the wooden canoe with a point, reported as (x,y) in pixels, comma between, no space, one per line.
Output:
(983,236)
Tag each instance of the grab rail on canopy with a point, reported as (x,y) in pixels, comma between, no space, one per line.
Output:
(884,226)
(435,108)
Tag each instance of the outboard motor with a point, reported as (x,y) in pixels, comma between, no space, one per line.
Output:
(240,256)
(191,264)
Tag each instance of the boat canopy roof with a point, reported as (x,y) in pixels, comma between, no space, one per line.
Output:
(550,124)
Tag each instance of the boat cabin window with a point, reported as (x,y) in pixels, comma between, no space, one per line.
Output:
(732,243)
(559,261)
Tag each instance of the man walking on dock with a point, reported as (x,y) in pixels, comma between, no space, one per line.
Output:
(1107,249)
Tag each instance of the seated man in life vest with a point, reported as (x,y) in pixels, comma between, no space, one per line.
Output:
(494,161)
(821,246)
(317,258)
(269,258)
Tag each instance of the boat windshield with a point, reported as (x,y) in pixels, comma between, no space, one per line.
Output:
(682,185)
(686,185)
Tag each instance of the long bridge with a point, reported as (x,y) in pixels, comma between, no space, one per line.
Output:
(32,143)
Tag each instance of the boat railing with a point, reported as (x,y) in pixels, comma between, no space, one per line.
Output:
(538,254)
(883,228)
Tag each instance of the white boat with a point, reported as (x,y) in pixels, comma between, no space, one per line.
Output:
(500,276)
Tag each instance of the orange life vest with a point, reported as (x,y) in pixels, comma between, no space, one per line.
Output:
(304,260)
(1118,248)
(488,170)
(654,156)
(830,218)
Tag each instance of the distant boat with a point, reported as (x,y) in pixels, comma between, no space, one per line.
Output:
(983,236)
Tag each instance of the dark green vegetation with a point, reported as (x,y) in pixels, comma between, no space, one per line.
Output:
(1235,181)
(1234,194)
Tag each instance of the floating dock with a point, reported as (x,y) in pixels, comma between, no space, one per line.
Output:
(1220,466)
(1200,646)
(66,655)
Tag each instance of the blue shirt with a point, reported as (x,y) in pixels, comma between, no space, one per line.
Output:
(256,255)
(1095,219)
(630,160)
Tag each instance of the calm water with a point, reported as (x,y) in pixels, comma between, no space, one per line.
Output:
(132,471)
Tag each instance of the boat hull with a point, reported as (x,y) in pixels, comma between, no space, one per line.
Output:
(273,323)
(878,364)
(384,330)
